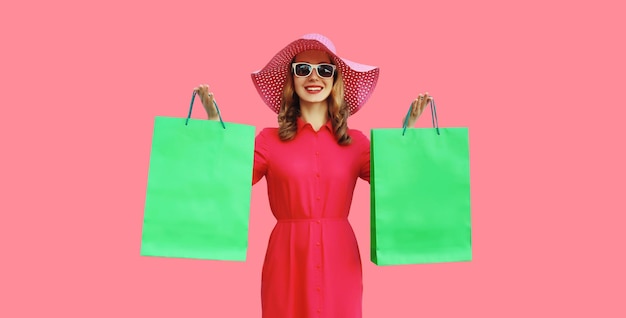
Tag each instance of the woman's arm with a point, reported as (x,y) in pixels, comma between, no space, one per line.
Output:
(261,152)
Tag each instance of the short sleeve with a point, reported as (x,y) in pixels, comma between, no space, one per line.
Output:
(261,156)
(363,148)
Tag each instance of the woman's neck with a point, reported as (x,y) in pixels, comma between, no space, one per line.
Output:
(315,114)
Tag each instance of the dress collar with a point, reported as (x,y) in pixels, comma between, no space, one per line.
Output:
(301,124)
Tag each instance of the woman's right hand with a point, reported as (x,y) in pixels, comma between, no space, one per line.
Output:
(207,101)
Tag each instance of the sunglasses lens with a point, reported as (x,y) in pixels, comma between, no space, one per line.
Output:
(303,69)
(325,70)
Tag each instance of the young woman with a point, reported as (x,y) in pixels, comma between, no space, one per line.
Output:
(311,163)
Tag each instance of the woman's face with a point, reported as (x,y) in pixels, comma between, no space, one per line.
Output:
(313,88)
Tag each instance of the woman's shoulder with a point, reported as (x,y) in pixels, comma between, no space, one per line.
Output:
(268,130)
(359,139)
(357,135)
(268,133)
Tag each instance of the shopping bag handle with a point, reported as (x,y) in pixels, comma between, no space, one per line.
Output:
(193,96)
(433,112)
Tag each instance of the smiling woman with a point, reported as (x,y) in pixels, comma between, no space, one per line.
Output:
(306,94)
(311,86)
(311,162)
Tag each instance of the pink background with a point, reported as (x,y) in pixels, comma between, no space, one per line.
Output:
(539,84)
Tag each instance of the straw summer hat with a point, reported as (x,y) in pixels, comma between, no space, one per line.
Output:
(359,79)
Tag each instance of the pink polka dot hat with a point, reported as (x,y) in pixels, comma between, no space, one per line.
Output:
(359,79)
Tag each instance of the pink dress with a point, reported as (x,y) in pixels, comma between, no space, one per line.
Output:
(313,266)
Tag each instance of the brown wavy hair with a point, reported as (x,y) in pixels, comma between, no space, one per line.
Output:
(338,111)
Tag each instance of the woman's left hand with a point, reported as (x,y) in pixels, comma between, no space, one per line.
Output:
(417,107)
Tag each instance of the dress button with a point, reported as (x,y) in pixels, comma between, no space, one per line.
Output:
(318,244)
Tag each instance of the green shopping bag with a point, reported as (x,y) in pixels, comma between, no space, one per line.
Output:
(420,195)
(199,189)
